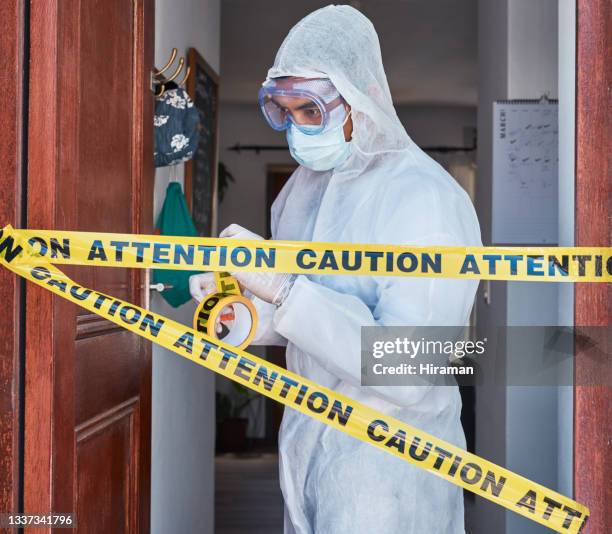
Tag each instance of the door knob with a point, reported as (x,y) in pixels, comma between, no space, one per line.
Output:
(160,287)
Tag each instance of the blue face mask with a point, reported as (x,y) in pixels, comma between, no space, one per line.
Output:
(320,152)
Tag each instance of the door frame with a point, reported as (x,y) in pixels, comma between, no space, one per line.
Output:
(13,57)
(593,302)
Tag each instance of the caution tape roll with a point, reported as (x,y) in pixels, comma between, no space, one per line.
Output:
(536,264)
(226,315)
(355,419)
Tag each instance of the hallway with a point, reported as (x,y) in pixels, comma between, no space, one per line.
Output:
(248,496)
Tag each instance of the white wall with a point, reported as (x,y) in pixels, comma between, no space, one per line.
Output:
(437,125)
(245,200)
(567,138)
(484,517)
(532,48)
(518,58)
(532,412)
(182,477)
(183,24)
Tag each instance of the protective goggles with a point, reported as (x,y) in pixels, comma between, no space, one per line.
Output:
(305,103)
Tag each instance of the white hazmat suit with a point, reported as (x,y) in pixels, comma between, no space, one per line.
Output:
(387,191)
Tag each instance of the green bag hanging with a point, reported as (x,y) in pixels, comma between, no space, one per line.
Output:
(174,219)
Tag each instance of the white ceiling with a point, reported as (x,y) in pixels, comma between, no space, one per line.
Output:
(428,46)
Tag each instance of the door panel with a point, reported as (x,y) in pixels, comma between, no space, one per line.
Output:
(88,382)
(106,491)
(103,380)
(105,126)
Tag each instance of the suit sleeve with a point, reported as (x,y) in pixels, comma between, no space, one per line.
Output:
(265,333)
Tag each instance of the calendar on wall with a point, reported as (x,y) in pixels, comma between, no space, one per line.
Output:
(525,172)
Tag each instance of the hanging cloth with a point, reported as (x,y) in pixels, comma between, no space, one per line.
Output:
(174,219)
(176,128)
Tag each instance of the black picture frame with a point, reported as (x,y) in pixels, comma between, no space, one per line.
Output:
(201,172)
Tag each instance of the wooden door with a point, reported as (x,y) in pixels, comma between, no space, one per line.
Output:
(88,382)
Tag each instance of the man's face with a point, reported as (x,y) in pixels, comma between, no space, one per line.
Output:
(303,110)
(306,112)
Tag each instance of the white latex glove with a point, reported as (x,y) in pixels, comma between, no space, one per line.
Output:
(201,285)
(271,287)
(235,231)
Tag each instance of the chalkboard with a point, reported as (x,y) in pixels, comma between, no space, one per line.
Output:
(201,171)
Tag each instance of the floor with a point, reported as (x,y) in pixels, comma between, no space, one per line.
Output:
(248,499)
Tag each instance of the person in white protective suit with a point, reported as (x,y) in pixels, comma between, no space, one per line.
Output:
(370,184)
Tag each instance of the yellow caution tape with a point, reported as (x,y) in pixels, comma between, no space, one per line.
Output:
(538,264)
(396,437)
(226,315)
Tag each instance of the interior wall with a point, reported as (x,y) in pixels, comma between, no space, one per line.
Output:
(245,200)
(182,478)
(532,48)
(567,142)
(437,125)
(484,517)
(517,427)
(532,412)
